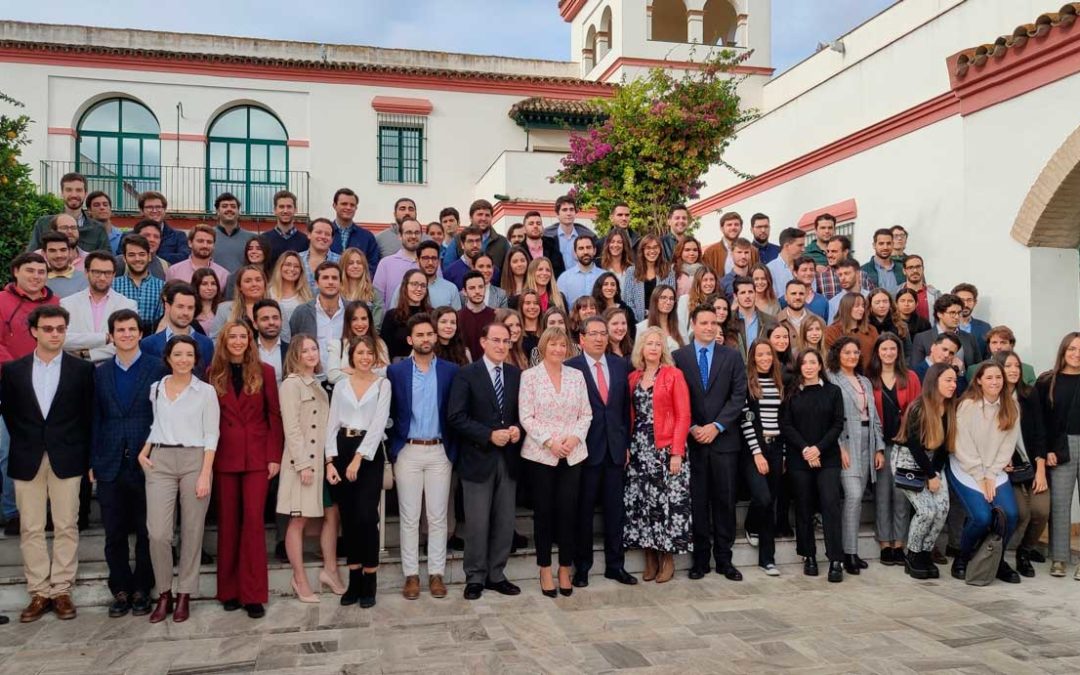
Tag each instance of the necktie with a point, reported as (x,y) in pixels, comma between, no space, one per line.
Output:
(703,366)
(499,386)
(345,237)
(601,382)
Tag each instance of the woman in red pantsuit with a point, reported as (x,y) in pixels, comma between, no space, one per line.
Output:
(249,455)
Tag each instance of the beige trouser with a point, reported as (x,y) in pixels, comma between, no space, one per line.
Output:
(46,577)
(175,473)
(422,473)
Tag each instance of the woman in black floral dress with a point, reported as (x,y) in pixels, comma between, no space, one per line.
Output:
(657,492)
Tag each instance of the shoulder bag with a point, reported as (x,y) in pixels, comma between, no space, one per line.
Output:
(1024,472)
(985,560)
(906,473)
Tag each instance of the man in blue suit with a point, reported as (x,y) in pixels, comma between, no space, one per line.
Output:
(179,313)
(608,441)
(121,422)
(423,453)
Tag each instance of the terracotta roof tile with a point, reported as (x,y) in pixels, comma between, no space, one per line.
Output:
(978,57)
(543,110)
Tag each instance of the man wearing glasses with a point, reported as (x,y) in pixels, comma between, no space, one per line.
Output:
(948,310)
(174,245)
(88,330)
(927,295)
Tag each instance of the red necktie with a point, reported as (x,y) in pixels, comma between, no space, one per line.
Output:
(601,382)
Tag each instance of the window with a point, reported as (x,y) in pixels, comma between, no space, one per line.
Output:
(402,144)
(120,151)
(248,155)
(847,229)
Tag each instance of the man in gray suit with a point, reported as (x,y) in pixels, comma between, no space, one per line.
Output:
(948,311)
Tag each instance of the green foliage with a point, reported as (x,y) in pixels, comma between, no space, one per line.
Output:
(20,203)
(661,135)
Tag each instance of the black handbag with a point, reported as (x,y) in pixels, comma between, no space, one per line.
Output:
(913,480)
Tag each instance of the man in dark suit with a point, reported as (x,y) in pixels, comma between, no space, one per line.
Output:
(537,244)
(122,419)
(179,315)
(608,441)
(483,412)
(44,398)
(948,312)
(717,380)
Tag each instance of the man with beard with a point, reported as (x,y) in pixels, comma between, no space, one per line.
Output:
(92,236)
(824,229)
(718,257)
(537,244)
(968,323)
(348,234)
(392,267)
(915,278)
(760,229)
(64,279)
(476,313)
(272,348)
(441,292)
(284,235)
(231,239)
(137,283)
(179,314)
(471,240)
(201,241)
(88,330)
(620,219)
(677,221)
(389,240)
(150,231)
(579,280)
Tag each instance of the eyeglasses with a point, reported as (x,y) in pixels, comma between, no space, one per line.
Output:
(101,273)
(953,312)
(61,329)
(416,284)
(153,208)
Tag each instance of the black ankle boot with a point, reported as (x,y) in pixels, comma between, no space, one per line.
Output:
(851,563)
(1023,563)
(916,565)
(959,566)
(367,589)
(353,592)
(928,563)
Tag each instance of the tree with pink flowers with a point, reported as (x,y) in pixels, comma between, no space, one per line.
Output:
(661,134)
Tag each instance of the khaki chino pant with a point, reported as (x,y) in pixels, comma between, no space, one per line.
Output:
(175,473)
(45,577)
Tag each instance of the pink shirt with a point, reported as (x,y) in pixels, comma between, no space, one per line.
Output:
(184,270)
(97,311)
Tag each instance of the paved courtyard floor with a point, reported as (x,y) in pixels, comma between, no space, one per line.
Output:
(878,622)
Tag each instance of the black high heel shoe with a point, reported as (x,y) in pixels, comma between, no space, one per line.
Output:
(565,592)
(549,592)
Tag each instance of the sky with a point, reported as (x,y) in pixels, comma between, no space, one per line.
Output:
(523,28)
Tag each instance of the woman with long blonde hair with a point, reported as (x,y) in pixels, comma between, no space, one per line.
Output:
(249,288)
(356,282)
(289,286)
(540,277)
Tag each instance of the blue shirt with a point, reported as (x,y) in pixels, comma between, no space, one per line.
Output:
(753,327)
(575,283)
(709,350)
(424,419)
(115,235)
(566,246)
(147,295)
(305,256)
(886,277)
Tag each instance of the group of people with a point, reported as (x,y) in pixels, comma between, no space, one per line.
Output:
(659,379)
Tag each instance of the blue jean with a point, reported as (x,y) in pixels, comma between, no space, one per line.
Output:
(7,499)
(979,512)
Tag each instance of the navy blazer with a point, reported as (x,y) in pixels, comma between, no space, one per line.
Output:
(117,427)
(609,431)
(154,346)
(400,375)
(359,238)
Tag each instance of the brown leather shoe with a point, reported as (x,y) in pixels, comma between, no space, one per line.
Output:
(183,608)
(64,607)
(39,604)
(438,588)
(667,568)
(163,608)
(412,587)
(652,563)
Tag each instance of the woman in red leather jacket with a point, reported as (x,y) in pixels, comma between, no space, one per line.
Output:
(657,485)
(249,455)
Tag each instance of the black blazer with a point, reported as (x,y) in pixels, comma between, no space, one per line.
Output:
(64,435)
(473,414)
(609,431)
(921,343)
(722,400)
(551,252)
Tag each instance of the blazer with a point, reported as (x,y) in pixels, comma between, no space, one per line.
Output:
(721,402)
(473,413)
(400,375)
(852,422)
(671,409)
(921,343)
(251,433)
(154,345)
(81,336)
(905,397)
(174,245)
(609,430)
(118,428)
(546,412)
(64,434)
(551,252)
(633,291)
(765,322)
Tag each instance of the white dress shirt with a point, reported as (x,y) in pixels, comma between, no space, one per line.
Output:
(370,413)
(272,356)
(46,378)
(592,370)
(192,420)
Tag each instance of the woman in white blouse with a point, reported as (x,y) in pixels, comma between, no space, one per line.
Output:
(358,321)
(359,410)
(555,413)
(178,460)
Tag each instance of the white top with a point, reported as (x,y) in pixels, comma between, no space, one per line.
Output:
(272,357)
(46,379)
(337,357)
(192,420)
(982,450)
(327,327)
(672,344)
(288,306)
(370,414)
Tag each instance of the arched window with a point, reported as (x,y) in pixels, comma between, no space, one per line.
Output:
(247,153)
(606,28)
(120,151)
(589,53)
(669,23)
(720,23)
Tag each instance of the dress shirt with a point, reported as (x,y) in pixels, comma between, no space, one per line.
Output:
(424,420)
(305,261)
(192,420)
(146,294)
(752,327)
(272,356)
(566,245)
(115,235)
(491,365)
(886,276)
(370,413)
(781,275)
(328,327)
(576,282)
(185,270)
(391,271)
(603,366)
(46,378)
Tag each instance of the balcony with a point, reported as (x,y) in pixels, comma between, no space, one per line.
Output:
(188,189)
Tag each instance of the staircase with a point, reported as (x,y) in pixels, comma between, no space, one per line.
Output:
(91,587)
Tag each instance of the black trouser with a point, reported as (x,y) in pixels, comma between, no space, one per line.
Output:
(123,511)
(358,502)
(714,479)
(604,480)
(763,500)
(819,487)
(86,493)
(555,509)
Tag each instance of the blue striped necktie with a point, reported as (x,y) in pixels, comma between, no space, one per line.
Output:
(499,386)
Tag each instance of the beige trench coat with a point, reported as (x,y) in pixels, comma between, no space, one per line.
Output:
(305,409)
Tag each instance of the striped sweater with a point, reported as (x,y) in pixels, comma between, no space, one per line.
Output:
(768,415)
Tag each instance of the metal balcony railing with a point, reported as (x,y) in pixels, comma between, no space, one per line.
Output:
(188,189)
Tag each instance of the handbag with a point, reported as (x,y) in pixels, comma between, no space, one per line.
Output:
(985,560)
(388,471)
(906,474)
(1023,472)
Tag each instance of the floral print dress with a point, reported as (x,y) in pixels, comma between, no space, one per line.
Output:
(657,501)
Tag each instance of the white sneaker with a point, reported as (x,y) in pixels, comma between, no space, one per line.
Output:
(770,570)
(751,539)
